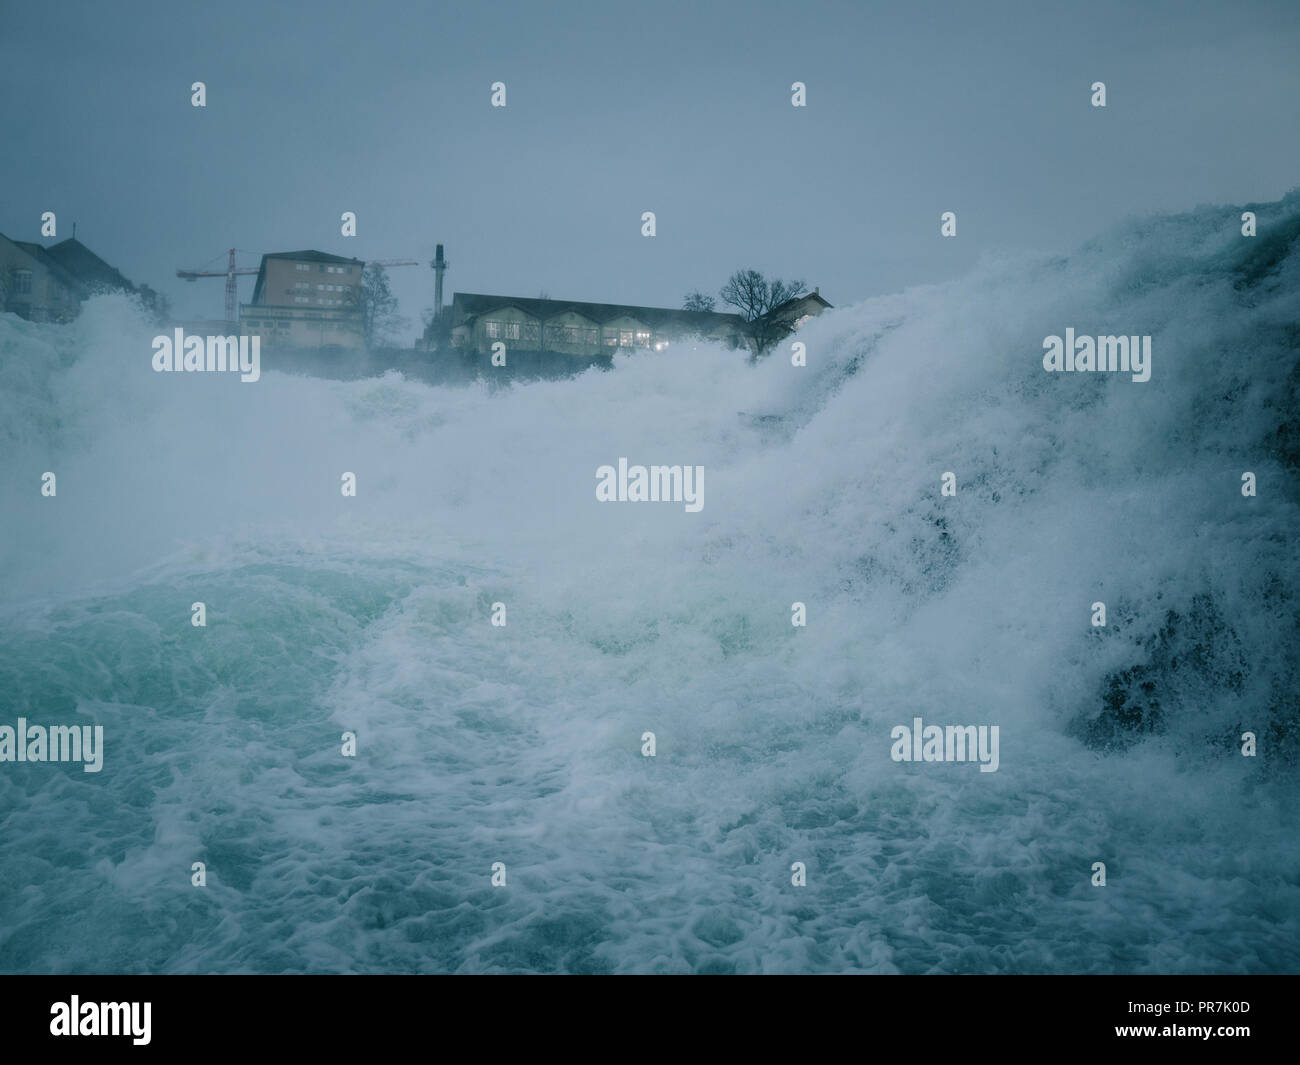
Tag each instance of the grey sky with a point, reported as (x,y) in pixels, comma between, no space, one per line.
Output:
(614,109)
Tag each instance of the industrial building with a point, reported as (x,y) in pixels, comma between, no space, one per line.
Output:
(307,299)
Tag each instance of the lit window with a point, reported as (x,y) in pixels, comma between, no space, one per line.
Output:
(643,338)
(512,330)
(625,338)
(493,330)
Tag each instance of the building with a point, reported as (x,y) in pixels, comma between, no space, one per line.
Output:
(33,285)
(773,327)
(49,284)
(306,299)
(791,314)
(568,327)
(583,330)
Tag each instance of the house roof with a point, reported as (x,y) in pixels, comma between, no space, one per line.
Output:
(87,267)
(794,301)
(469,305)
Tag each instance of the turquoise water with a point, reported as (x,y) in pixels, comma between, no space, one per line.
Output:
(522,744)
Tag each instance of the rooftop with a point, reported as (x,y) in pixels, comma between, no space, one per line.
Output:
(312,257)
(473,304)
(86,266)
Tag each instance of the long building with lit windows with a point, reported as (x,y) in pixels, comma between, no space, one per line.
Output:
(568,327)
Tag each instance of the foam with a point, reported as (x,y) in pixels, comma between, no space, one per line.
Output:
(522,744)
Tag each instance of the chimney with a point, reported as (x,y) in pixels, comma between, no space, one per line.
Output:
(439,265)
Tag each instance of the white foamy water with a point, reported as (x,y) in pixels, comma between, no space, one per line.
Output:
(522,745)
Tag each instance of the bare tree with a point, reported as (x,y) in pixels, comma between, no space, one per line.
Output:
(697,301)
(437,331)
(756,298)
(380,320)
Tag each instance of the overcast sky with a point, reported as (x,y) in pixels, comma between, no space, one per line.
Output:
(681,108)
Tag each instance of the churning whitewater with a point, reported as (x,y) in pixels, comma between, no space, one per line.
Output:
(522,744)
